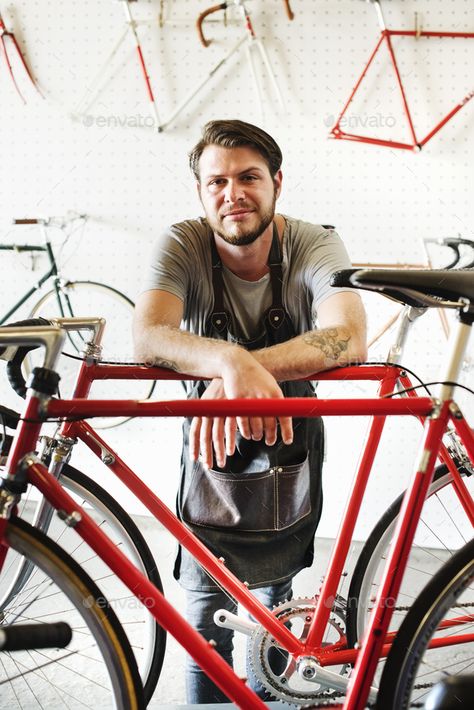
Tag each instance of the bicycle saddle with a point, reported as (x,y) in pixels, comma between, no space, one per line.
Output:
(416,287)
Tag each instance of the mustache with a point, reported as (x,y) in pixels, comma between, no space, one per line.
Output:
(238,208)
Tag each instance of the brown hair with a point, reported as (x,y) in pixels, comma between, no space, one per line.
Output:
(237,134)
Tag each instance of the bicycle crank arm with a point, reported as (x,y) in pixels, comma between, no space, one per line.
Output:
(310,670)
(226,620)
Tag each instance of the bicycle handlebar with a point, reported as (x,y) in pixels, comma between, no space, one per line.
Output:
(289,12)
(9,418)
(51,339)
(21,247)
(14,364)
(223,6)
(49,221)
(454,243)
(210,10)
(19,637)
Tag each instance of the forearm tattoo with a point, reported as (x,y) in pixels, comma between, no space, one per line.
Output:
(331,342)
(157,362)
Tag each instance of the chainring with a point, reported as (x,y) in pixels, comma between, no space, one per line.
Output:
(271,665)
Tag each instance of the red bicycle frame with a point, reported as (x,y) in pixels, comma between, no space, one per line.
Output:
(385,38)
(377,642)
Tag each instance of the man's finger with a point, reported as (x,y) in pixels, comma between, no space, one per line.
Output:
(270,430)
(206,442)
(230,432)
(244,427)
(194,435)
(218,441)
(286,428)
(256,427)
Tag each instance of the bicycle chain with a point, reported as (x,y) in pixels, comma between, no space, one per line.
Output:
(408,608)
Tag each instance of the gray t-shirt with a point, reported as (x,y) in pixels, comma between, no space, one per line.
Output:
(181,265)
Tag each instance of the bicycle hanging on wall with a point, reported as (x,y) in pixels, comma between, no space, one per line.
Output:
(54,295)
(385,38)
(248,42)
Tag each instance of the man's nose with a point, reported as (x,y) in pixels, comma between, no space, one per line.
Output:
(233,191)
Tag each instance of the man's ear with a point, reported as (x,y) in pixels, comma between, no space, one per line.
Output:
(277,180)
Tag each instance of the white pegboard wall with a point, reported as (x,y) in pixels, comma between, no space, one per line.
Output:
(132,181)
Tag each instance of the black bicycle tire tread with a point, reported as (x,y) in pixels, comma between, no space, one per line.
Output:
(420,622)
(143,552)
(33,539)
(365,555)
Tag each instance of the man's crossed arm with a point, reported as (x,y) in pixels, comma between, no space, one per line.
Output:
(235,372)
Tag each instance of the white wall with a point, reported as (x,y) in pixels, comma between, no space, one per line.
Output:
(132,181)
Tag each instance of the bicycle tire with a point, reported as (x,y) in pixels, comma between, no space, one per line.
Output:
(92,298)
(365,578)
(147,638)
(410,657)
(51,677)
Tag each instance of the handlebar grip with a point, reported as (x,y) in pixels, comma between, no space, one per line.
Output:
(19,637)
(342,278)
(289,11)
(31,220)
(215,8)
(14,373)
(9,417)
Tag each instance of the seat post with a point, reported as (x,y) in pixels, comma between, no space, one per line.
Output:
(457,347)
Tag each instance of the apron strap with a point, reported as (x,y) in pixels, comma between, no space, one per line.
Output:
(220,318)
(276,312)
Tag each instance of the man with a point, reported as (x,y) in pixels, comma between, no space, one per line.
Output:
(233,299)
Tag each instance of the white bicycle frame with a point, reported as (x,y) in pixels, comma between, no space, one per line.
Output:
(248,42)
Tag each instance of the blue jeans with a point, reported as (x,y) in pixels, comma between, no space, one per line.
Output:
(200,611)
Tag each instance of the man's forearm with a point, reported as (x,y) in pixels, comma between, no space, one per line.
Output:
(312,352)
(166,346)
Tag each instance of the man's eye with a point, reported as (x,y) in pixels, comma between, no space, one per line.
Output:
(217,181)
(249,178)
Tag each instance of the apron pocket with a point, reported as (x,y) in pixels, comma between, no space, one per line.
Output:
(273,499)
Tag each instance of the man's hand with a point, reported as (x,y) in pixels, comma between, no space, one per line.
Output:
(242,379)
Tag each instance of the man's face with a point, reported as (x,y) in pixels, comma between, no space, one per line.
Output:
(237,192)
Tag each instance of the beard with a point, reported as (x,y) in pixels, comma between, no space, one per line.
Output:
(245,235)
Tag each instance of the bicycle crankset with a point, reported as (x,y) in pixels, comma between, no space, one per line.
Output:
(278,673)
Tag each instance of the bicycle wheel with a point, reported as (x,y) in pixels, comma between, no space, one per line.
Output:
(97,668)
(89,298)
(425,649)
(443,528)
(147,638)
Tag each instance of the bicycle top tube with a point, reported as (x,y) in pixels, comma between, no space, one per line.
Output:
(288,406)
(22,247)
